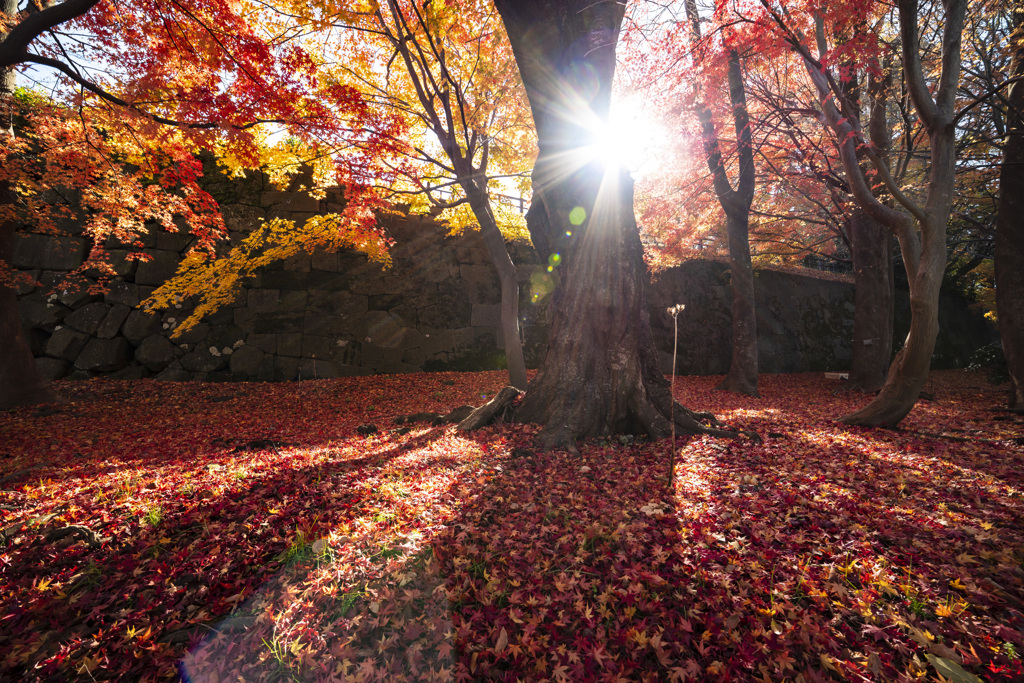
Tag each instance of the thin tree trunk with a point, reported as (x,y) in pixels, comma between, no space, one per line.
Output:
(509,280)
(743,369)
(871,350)
(1009,255)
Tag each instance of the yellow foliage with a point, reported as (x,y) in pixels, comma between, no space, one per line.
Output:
(216,281)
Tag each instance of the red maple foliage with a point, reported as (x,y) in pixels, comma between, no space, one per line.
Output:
(257,532)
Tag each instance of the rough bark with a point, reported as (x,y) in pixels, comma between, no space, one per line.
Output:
(743,369)
(20,380)
(871,249)
(1009,252)
(874,302)
(601,373)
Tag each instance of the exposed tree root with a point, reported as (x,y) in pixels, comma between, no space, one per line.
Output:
(498,409)
(738,385)
(456,415)
(1015,410)
(20,473)
(83,533)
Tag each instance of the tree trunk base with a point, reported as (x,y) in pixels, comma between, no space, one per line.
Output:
(32,395)
(738,385)
(649,418)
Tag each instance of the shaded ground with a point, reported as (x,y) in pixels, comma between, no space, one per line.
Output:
(216,531)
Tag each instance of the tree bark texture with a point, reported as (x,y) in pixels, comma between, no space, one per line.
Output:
(743,369)
(874,302)
(909,370)
(601,373)
(1009,252)
(924,253)
(871,250)
(742,375)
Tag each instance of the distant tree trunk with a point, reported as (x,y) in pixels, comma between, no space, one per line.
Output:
(601,374)
(874,302)
(742,375)
(1009,255)
(743,370)
(20,380)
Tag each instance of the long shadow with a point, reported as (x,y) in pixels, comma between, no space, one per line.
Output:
(113,425)
(177,578)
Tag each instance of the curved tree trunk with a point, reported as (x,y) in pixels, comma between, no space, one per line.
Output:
(1009,254)
(20,381)
(874,302)
(601,374)
(924,255)
(909,370)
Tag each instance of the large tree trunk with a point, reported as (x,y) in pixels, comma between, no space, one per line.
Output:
(20,381)
(601,374)
(874,297)
(1009,254)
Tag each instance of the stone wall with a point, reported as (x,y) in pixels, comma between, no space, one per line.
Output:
(804,323)
(319,315)
(437,308)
